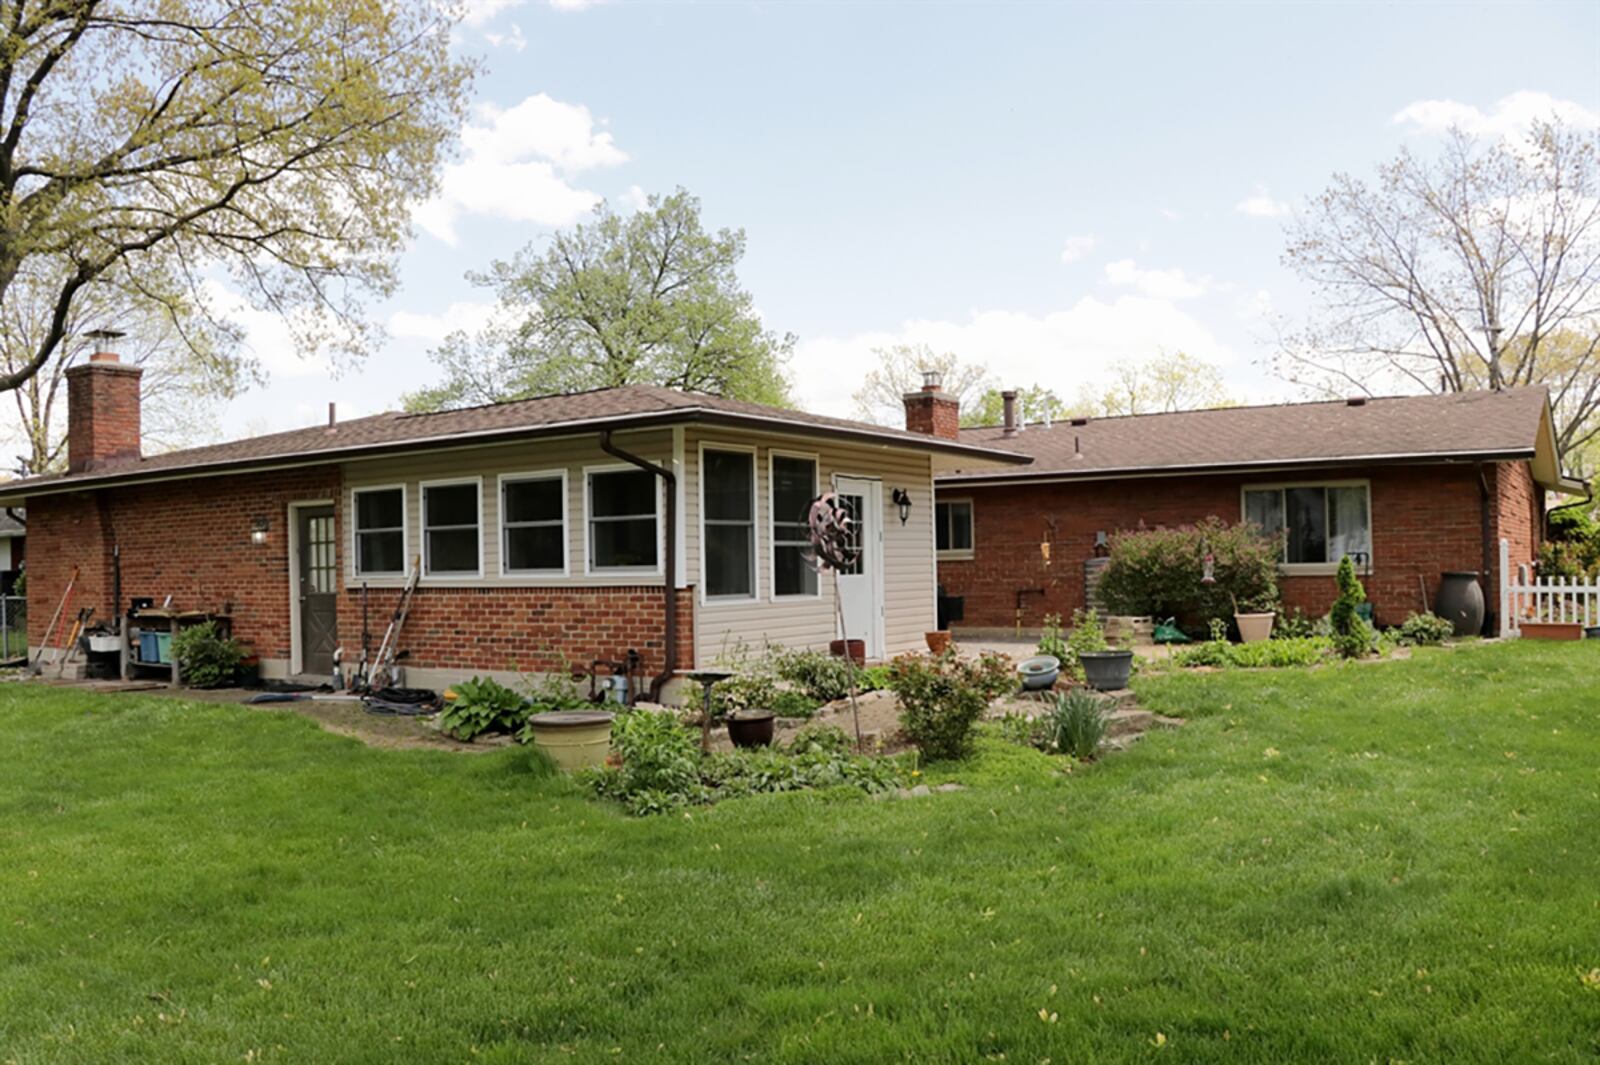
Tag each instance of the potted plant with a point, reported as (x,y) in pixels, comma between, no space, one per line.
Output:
(1254,620)
(938,641)
(1104,668)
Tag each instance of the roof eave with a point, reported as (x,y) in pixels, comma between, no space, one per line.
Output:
(1199,469)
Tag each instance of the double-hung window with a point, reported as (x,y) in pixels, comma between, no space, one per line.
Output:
(622,519)
(452,537)
(794,486)
(952,527)
(533,523)
(380,531)
(728,523)
(1318,524)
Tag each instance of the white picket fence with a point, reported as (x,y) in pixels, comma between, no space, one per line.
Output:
(1525,596)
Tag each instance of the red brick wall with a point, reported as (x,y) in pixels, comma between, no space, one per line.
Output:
(102,412)
(529,630)
(191,540)
(1518,516)
(934,413)
(1424,520)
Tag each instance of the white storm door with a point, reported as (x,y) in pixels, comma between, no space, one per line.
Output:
(861,584)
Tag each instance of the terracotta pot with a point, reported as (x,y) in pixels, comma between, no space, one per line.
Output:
(858,650)
(1253,628)
(751,728)
(1552,630)
(938,642)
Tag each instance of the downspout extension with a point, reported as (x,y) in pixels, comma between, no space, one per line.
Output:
(670,656)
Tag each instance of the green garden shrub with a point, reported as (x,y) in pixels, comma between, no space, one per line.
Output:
(942,697)
(1352,636)
(1267,654)
(821,676)
(483,705)
(1159,571)
(1051,640)
(205,659)
(1087,636)
(1425,629)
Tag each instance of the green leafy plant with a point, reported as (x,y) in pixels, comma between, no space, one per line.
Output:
(483,705)
(821,676)
(734,774)
(658,764)
(1218,629)
(873,678)
(1266,654)
(942,697)
(205,659)
(1051,640)
(1352,636)
(1424,629)
(1087,635)
(790,703)
(1074,724)
(1296,625)
(820,736)
(1159,571)
(556,690)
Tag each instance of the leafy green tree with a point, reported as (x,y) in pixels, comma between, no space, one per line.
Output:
(1169,382)
(646,298)
(1034,403)
(150,144)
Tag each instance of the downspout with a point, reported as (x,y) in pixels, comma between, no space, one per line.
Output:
(671,574)
(1488,542)
(11,512)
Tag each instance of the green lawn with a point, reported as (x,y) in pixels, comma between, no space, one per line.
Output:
(1366,863)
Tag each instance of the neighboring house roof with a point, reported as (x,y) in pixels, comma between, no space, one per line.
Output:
(629,407)
(1460,426)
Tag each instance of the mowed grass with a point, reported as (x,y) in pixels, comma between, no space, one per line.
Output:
(1385,862)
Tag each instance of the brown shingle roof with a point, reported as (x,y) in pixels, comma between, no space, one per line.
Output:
(1459,425)
(393,432)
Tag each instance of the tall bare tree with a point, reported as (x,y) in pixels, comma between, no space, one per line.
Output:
(1479,268)
(900,369)
(1169,382)
(189,363)
(145,144)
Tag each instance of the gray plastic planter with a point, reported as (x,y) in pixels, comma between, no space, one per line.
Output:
(1106,671)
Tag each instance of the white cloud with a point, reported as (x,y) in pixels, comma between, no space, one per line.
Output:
(516,165)
(463,315)
(476,13)
(1077,247)
(575,5)
(1062,349)
(1170,214)
(1157,284)
(636,198)
(1511,116)
(513,40)
(1260,204)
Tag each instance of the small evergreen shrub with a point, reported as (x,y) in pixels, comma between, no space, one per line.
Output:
(1425,629)
(1075,724)
(205,659)
(1352,636)
(942,697)
(1159,571)
(483,705)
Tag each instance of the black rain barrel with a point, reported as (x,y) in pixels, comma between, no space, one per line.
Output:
(1460,601)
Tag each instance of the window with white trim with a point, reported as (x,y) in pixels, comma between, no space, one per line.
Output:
(622,519)
(794,487)
(452,539)
(380,531)
(1318,524)
(533,526)
(952,526)
(728,523)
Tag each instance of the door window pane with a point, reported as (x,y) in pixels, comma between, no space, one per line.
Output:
(853,506)
(450,528)
(380,531)
(794,486)
(729,523)
(622,519)
(531,514)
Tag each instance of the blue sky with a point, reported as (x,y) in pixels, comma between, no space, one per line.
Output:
(1050,189)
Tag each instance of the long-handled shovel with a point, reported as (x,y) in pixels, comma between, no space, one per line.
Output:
(66,597)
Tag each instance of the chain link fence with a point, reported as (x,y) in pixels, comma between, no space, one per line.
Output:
(13,627)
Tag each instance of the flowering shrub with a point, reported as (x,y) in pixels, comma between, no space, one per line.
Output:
(1160,571)
(942,697)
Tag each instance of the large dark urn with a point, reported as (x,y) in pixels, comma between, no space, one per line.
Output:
(1460,601)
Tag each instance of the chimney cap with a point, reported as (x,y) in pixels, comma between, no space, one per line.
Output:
(932,380)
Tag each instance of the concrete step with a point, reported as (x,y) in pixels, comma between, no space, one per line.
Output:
(1127,722)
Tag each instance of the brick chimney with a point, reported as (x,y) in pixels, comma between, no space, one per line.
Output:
(102,408)
(932,410)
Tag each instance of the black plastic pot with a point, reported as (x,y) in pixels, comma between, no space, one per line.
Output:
(1106,671)
(751,728)
(1460,602)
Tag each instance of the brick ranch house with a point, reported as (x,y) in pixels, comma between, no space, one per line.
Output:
(1410,487)
(547,531)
